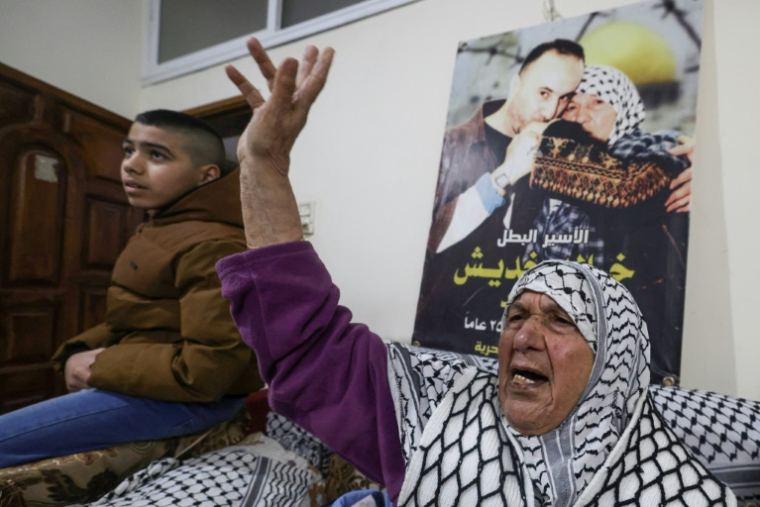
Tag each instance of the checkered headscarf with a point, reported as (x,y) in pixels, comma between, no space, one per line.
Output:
(611,323)
(615,88)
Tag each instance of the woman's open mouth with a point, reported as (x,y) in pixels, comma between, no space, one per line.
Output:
(523,378)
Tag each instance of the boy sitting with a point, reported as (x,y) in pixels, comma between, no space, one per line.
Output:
(168,360)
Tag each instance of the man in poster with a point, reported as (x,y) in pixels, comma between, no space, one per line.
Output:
(471,153)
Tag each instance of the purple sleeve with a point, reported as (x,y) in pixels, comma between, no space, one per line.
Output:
(324,373)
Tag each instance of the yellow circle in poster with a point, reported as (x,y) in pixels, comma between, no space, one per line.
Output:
(643,54)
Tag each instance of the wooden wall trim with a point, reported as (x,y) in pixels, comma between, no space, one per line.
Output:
(70,100)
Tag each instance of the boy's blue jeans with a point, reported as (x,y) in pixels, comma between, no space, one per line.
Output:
(95,419)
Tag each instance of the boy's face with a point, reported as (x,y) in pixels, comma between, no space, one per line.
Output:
(157,169)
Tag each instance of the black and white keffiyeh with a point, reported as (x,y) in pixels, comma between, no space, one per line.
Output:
(614,448)
(615,88)
(611,323)
(256,473)
(721,431)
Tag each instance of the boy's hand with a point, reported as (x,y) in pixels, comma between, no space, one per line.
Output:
(270,212)
(78,369)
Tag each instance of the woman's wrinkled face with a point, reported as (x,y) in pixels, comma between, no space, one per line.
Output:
(544,364)
(596,116)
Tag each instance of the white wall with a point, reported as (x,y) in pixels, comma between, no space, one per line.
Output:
(369,155)
(91,48)
(736,112)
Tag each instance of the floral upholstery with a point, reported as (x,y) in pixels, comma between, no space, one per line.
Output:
(86,476)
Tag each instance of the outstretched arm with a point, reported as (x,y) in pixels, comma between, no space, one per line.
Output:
(270,212)
(322,369)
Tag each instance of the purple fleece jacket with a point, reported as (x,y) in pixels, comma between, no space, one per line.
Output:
(324,373)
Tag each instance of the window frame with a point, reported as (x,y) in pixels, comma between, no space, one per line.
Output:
(272,35)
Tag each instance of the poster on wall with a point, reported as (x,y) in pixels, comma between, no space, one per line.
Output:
(568,140)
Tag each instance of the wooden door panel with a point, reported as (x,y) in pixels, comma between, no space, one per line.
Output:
(25,385)
(34,235)
(29,336)
(104,235)
(92,305)
(101,144)
(27,340)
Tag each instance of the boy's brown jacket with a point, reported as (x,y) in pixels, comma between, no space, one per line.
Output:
(168,332)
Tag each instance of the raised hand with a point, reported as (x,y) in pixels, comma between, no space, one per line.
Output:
(277,121)
(270,212)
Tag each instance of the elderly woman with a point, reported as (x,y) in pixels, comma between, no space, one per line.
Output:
(608,109)
(568,419)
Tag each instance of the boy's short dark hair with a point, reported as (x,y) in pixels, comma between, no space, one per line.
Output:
(561,46)
(205,146)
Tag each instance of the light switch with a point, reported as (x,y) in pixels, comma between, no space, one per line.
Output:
(306,210)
